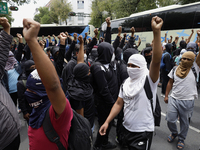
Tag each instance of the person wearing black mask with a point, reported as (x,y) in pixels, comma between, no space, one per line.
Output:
(105,89)
(29,66)
(148,55)
(79,88)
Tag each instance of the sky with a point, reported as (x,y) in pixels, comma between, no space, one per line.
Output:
(26,11)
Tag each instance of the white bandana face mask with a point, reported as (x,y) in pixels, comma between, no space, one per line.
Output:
(134,73)
(134,84)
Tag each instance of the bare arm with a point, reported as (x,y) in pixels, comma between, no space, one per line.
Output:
(44,66)
(80,55)
(198,56)
(188,40)
(168,89)
(165,38)
(114,112)
(156,25)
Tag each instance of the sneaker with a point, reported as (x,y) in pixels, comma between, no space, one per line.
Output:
(109,145)
(162,95)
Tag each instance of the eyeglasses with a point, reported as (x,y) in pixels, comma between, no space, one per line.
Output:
(186,59)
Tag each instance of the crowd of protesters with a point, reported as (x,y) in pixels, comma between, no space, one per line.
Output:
(95,78)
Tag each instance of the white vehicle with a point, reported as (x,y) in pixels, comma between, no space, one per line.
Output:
(179,20)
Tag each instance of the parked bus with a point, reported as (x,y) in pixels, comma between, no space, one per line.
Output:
(179,20)
(57,29)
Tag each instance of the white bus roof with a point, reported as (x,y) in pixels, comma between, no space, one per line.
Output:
(157,10)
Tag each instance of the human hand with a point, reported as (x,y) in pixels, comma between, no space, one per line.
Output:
(198,32)
(192,31)
(19,35)
(63,38)
(176,38)
(89,40)
(96,31)
(31,29)
(80,38)
(156,24)
(120,29)
(132,30)
(15,41)
(85,34)
(124,35)
(42,44)
(5,24)
(166,99)
(66,33)
(75,37)
(108,21)
(102,130)
(26,116)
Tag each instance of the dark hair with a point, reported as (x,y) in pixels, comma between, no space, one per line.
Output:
(147,50)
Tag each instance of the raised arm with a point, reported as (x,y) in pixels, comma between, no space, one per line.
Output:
(5,42)
(198,56)
(156,24)
(108,31)
(188,40)
(165,38)
(80,55)
(45,68)
(117,40)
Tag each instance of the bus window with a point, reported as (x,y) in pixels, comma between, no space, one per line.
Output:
(135,22)
(147,22)
(115,25)
(196,23)
(180,18)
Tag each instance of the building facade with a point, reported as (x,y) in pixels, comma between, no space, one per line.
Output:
(82,8)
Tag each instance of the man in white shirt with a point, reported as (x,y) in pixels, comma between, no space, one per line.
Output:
(138,119)
(181,101)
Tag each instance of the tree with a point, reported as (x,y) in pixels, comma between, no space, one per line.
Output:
(45,16)
(18,2)
(163,3)
(8,16)
(61,8)
(187,1)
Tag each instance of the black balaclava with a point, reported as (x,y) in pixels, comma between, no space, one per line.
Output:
(168,47)
(149,57)
(128,52)
(118,53)
(81,71)
(183,44)
(53,52)
(105,52)
(27,66)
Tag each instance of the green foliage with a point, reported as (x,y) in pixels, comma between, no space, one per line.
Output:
(187,1)
(45,16)
(8,16)
(18,2)
(97,16)
(61,8)
(163,3)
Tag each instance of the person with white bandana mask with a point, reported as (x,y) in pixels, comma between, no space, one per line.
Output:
(138,118)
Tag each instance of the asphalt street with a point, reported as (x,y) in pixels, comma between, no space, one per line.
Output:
(192,141)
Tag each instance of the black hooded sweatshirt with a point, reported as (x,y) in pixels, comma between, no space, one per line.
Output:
(104,80)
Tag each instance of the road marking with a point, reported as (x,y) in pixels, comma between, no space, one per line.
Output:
(192,128)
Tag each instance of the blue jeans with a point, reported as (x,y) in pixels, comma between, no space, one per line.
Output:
(182,109)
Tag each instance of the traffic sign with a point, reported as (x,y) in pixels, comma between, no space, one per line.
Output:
(3,8)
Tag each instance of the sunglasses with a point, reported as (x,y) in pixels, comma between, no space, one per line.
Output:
(186,59)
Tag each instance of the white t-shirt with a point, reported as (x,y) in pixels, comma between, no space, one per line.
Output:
(138,115)
(185,89)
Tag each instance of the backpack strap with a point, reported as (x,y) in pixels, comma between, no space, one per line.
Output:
(173,70)
(148,92)
(50,131)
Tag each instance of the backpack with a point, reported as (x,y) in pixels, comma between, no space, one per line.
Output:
(157,112)
(80,133)
(162,64)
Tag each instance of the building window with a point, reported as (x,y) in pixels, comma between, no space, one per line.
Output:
(80,17)
(80,4)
